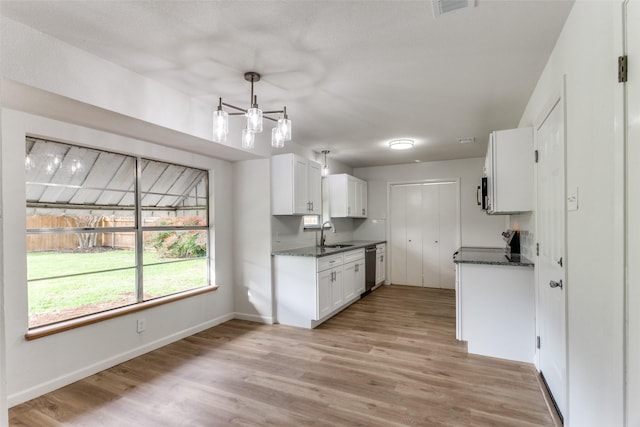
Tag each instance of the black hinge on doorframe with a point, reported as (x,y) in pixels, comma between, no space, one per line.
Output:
(622,69)
(538,342)
(535,156)
(537,249)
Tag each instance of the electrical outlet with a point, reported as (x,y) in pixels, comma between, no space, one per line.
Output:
(142,325)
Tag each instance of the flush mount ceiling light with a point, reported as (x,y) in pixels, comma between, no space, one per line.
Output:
(401,144)
(254,115)
(325,167)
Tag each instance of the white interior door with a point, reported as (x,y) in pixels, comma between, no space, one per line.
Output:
(414,235)
(448,243)
(632,89)
(398,232)
(431,235)
(550,215)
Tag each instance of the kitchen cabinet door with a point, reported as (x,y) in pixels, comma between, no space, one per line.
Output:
(360,199)
(380,264)
(296,185)
(349,280)
(337,297)
(300,186)
(314,186)
(509,171)
(324,287)
(347,196)
(359,284)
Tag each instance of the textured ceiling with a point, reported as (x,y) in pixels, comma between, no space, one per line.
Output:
(353,74)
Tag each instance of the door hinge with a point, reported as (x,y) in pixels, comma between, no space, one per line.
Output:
(535,156)
(538,342)
(622,69)
(537,249)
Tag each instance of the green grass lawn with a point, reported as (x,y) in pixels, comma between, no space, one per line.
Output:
(91,290)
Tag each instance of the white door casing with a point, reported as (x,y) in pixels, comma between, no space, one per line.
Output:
(551,237)
(631,35)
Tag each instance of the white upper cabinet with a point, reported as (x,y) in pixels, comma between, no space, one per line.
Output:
(296,185)
(347,196)
(509,171)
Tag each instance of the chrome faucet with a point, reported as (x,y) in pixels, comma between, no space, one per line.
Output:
(322,236)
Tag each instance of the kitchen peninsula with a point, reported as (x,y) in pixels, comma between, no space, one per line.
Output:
(495,303)
(314,283)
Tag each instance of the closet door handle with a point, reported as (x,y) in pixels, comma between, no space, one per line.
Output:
(553,284)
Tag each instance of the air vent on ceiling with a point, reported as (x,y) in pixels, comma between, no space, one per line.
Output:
(440,7)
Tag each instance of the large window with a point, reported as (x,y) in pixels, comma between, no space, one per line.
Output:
(106,230)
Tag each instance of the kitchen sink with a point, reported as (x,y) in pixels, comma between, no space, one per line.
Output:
(338,246)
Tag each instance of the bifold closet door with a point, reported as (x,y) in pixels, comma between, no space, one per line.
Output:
(448,229)
(423,230)
(398,231)
(430,226)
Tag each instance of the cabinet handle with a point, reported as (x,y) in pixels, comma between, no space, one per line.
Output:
(357,267)
(348,210)
(381,258)
(478,196)
(363,212)
(331,262)
(311,203)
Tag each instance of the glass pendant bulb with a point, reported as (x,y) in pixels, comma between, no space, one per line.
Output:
(284,125)
(325,167)
(248,139)
(220,125)
(277,140)
(254,117)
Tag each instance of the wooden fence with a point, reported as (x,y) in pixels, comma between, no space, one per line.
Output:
(71,241)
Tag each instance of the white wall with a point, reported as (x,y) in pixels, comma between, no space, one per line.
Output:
(77,87)
(39,366)
(477,228)
(586,53)
(253,293)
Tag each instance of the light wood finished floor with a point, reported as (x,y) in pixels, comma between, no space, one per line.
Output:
(391,359)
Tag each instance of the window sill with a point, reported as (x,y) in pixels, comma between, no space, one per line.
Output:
(66,325)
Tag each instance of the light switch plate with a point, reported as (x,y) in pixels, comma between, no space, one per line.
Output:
(572,199)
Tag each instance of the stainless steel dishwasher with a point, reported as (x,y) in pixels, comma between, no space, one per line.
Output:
(370,268)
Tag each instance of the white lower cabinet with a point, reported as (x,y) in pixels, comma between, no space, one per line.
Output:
(310,290)
(495,310)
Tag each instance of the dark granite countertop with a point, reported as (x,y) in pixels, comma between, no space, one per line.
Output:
(315,251)
(493,256)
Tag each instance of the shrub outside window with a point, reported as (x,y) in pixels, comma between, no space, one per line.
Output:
(107,230)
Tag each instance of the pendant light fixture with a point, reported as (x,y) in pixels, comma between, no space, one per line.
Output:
(325,167)
(255,117)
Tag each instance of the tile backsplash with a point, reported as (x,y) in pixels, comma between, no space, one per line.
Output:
(525,222)
(287,232)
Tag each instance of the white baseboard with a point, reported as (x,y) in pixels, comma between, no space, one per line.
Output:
(56,383)
(254,318)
